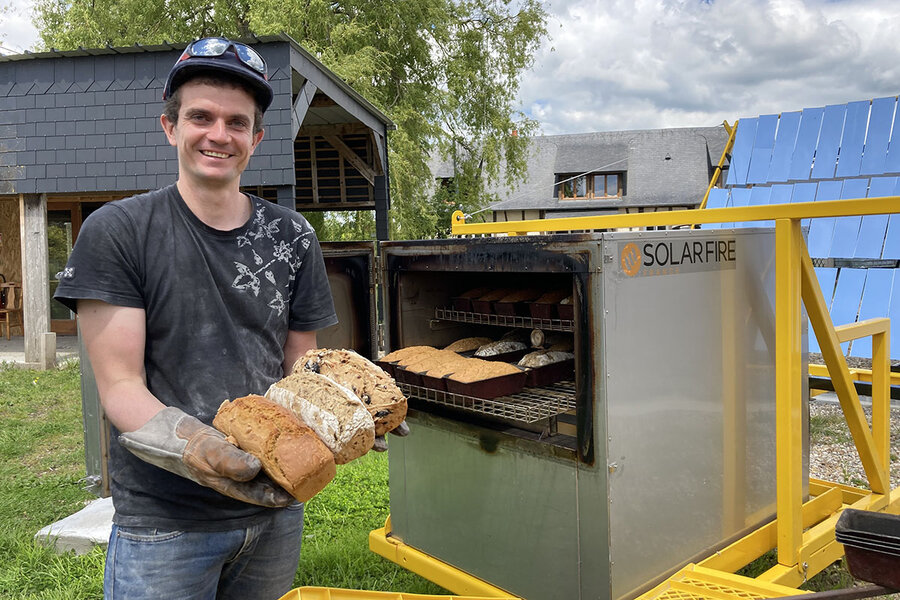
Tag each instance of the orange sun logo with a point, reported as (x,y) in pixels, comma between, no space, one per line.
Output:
(631,259)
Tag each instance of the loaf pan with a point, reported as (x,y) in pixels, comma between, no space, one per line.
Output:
(558,371)
(489,388)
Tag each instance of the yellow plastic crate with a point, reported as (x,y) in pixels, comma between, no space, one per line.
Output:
(322,593)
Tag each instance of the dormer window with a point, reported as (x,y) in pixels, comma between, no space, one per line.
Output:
(588,186)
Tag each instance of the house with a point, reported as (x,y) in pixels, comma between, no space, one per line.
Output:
(80,128)
(610,172)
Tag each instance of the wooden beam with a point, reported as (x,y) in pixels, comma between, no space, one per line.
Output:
(35,278)
(351,157)
(301,106)
(314,169)
(335,129)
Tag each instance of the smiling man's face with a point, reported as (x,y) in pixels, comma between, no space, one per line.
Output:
(214,134)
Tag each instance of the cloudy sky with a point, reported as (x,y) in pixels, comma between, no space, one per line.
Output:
(637,64)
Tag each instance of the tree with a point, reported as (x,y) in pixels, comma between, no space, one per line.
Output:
(445,71)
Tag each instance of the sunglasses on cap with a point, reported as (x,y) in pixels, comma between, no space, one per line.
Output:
(216,46)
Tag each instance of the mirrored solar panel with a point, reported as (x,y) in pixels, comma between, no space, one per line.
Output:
(850,155)
(805,148)
(847,297)
(873,227)
(894,316)
(804,192)
(780,165)
(739,197)
(821,231)
(761,155)
(760,196)
(875,152)
(740,153)
(829,140)
(827,278)
(892,161)
(718,197)
(875,303)
(892,237)
(846,229)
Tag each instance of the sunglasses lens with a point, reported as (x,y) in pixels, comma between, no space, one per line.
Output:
(209,47)
(251,57)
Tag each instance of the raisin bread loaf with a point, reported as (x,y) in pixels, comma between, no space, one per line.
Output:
(377,390)
(335,413)
(290,453)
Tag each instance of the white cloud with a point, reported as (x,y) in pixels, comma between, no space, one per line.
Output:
(17,33)
(614,64)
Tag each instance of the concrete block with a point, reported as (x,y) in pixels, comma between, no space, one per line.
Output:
(81,531)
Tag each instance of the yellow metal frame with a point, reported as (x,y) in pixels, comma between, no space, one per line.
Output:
(802,533)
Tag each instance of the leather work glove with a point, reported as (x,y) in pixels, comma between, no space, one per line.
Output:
(177,442)
(401,430)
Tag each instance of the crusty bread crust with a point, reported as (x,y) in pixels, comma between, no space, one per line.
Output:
(290,453)
(334,413)
(377,390)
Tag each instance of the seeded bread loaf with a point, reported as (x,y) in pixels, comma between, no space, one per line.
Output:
(333,412)
(467,344)
(290,453)
(377,390)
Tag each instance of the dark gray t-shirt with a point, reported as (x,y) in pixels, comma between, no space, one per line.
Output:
(219,305)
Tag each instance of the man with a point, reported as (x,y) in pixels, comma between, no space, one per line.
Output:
(188,296)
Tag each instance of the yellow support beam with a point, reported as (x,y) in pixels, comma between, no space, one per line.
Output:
(800,210)
(788,390)
(870,452)
(864,375)
(448,577)
(722,159)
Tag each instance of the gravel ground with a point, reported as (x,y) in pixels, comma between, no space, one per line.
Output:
(832,455)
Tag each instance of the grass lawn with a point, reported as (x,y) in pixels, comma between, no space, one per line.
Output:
(42,464)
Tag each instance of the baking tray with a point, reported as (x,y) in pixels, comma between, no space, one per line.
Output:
(489,388)
(558,371)
(566,311)
(483,307)
(871,543)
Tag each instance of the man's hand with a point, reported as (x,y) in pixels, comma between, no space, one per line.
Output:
(401,430)
(177,442)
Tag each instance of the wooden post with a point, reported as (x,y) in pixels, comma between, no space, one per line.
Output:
(35,276)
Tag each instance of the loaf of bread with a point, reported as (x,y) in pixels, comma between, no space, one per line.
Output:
(542,358)
(333,412)
(525,295)
(500,347)
(397,356)
(478,370)
(377,390)
(290,453)
(467,344)
(552,297)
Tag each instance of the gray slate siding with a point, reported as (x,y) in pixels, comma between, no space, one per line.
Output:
(82,124)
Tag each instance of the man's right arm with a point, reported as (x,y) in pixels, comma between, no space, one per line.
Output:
(114,337)
(163,436)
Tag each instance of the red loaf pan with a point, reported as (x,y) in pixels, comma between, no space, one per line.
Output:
(559,371)
(489,388)
(872,545)
(404,375)
(566,311)
(542,310)
(387,367)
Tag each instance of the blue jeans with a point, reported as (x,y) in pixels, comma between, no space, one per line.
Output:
(255,562)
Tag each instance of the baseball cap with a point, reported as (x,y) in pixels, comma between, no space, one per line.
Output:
(221,55)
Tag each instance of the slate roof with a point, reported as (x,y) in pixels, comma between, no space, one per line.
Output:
(651,179)
(87,120)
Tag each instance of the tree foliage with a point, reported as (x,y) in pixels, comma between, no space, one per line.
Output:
(445,71)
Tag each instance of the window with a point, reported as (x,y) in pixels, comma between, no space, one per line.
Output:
(590,186)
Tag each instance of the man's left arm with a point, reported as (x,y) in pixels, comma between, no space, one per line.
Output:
(295,346)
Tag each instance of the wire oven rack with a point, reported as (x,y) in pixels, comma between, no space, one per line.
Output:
(448,314)
(528,406)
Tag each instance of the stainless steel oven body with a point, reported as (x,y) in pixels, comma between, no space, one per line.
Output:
(662,448)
